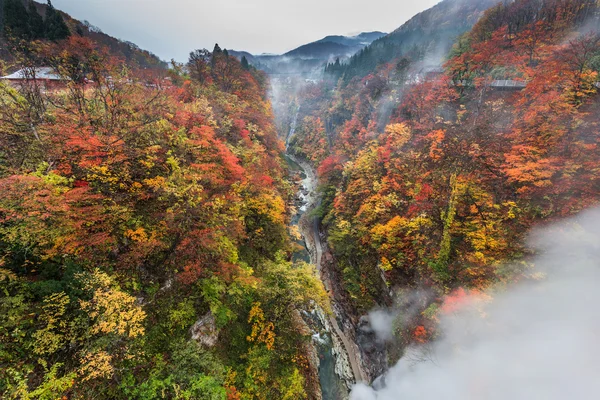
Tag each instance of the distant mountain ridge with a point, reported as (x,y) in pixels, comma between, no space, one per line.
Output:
(431,32)
(336,45)
(312,55)
(364,38)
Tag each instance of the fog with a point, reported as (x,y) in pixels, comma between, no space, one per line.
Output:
(536,340)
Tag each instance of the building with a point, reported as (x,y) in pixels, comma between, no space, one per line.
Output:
(508,84)
(45,77)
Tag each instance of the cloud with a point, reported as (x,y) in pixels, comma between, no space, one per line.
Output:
(538,340)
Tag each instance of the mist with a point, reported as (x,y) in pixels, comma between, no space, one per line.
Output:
(535,340)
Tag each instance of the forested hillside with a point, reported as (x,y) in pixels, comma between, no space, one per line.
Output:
(430,33)
(144,239)
(25,20)
(429,182)
(152,219)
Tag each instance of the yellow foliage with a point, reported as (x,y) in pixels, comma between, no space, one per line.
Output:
(262,332)
(155,183)
(53,335)
(398,134)
(96,365)
(112,310)
(102,174)
(138,235)
(271,205)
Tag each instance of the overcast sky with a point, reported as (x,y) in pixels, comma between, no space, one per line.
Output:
(172,28)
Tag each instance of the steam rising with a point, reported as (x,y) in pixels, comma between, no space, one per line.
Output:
(381,323)
(538,340)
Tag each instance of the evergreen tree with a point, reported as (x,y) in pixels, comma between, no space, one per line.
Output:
(215,54)
(56,28)
(36,22)
(245,63)
(16,19)
(1,16)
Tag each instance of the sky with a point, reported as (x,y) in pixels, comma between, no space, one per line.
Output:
(173,28)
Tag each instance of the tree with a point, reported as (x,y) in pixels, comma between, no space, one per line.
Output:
(56,28)
(16,19)
(36,22)
(198,66)
(245,64)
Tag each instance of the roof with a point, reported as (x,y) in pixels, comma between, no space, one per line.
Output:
(508,83)
(432,69)
(46,73)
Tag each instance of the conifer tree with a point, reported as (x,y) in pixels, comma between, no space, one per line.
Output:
(56,28)
(215,54)
(245,63)
(16,19)
(1,16)
(36,22)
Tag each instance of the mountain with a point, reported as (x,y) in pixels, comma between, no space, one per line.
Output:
(322,50)
(335,46)
(311,56)
(364,38)
(430,33)
(431,177)
(144,230)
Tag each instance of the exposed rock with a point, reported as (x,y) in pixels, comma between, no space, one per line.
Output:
(310,350)
(343,369)
(374,350)
(205,331)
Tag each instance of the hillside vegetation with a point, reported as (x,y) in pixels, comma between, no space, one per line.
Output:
(146,237)
(431,182)
(144,240)
(25,20)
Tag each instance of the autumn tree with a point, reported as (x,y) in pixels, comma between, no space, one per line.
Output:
(198,65)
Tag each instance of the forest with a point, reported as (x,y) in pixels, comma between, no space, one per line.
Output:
(146,211)
(431,180)
(135,204)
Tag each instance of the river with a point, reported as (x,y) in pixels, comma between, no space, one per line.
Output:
(339,356)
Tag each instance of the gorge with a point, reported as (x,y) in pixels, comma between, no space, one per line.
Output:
(370,216)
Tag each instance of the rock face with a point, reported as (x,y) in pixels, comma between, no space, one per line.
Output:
(343,369)
(310,351)
(205,331)
(374,350)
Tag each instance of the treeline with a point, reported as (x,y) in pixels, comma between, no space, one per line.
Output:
(22,22)
(144,244)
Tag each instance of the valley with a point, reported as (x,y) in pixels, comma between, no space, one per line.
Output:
(371,216)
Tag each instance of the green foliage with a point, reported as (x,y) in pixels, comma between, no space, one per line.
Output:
(16,19)
(443,257)
(56,28)
(36,22)
(192,373)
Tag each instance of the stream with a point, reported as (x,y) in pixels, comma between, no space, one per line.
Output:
(339,365)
